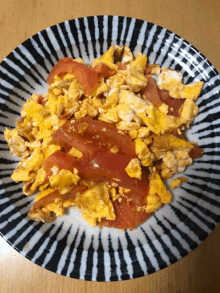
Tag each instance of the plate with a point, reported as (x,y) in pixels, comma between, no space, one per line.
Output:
(69,246)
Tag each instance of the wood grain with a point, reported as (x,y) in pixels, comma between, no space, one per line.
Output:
(198,22)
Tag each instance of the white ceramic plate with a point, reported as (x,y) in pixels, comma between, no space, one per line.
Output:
(69,246)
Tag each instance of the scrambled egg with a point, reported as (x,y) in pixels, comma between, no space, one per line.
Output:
(107,58)
(64,181)
(158,122)
(116,100)
(133,169)
(143,152)
(157,194)
(171,81)
(96,204)
(75,153)
(177,182)
(133,101)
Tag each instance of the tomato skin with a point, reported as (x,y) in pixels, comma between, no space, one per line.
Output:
(111,168)
(72,138)
(127,216)
(104,70)
(61,160)
(110,133)
(41,101)
(150,92)
(147,70)
(85,75)
(94,138)
(196,152)
(50,198)
(173,103)
(64,65)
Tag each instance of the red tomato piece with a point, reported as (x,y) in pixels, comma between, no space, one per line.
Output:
(173,104)
(49,198)
(67,136)
(41,100)
(127,216)
(121,66)
(99,136)
(110,133)
(85,75)
(111,168)
(196,152)
(61,160)
(175,132)
(104,70)
(64,65)
(150,92)
(148,69)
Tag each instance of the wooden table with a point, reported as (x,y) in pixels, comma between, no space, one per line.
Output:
(198,21)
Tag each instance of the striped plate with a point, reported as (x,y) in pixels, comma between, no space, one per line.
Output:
(69,246)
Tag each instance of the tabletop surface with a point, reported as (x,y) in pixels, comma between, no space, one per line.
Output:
(198,22)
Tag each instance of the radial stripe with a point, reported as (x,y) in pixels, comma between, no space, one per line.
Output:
(137,271)
(192,225)
(50,249)
(161,239)
(174,242)
(57,255)
(89,39)
(100,263)
(185,236)
(124,266)
(43,48)
(92,27)
(75,273)
(211,226)
(45,244)
(202,209)
(161,262)
(61,44)
(89,262)
(68,258)
(82,46)
(71,36)
(113,265)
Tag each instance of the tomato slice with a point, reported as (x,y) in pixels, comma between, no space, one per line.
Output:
(102,130)
(64,65)
(68,135)
(150,92)
(49,198)
(148,69)
(127,216)
(196,152)
(61,160)
(173,104)
(97,137)
(111,168)
(41,101)
(104,70)
(85,75)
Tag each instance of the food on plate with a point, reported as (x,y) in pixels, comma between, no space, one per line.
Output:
(104,138)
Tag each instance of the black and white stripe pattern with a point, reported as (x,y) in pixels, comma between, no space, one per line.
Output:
(69,246)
